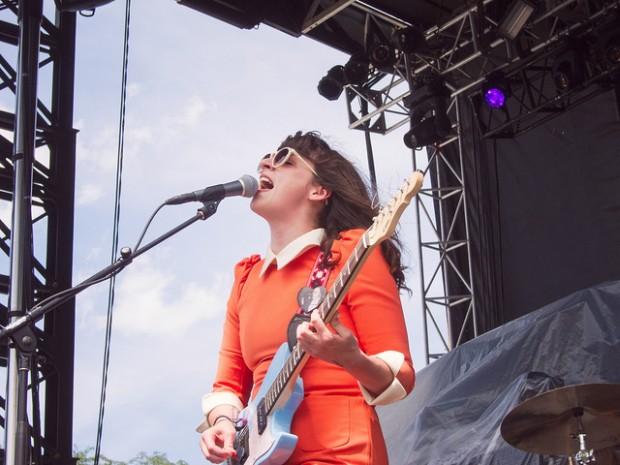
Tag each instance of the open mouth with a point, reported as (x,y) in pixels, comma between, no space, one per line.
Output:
(265,183)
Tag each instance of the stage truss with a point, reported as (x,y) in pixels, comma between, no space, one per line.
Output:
(465,51)
(51,251)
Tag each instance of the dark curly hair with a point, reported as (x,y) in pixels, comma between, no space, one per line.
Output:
(350,205)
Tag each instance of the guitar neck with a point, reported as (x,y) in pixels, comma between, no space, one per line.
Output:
(298,357)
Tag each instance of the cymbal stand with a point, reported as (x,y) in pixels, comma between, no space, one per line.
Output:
(584,455)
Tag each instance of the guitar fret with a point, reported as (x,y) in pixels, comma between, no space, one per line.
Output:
(324,309)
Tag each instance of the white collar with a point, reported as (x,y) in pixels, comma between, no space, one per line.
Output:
(293,249)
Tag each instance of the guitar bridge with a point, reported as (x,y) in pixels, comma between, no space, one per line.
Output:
(261,416)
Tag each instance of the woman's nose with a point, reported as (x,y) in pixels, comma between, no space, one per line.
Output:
(265,164)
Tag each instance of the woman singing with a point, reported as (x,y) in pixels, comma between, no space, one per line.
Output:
(314,202)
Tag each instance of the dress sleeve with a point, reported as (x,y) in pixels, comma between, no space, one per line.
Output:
(233,379)
(376,312)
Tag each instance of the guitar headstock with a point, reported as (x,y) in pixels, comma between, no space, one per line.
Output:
(385,222)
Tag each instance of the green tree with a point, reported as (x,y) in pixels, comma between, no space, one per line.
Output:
(87,457)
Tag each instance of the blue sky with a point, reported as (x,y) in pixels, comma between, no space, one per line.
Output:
(205,101)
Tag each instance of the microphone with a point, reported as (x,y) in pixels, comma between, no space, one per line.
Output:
(245,186)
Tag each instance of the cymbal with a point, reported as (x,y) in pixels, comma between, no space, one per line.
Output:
(548,423)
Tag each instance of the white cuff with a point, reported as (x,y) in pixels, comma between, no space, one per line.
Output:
(215,399)
(395,391)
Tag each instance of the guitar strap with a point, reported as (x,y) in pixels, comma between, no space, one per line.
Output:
(309,298)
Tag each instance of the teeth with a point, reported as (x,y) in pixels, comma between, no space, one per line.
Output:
(265,183)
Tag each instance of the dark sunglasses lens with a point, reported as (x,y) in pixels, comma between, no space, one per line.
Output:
(280,157)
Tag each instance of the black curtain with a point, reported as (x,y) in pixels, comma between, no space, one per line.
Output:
(543,209)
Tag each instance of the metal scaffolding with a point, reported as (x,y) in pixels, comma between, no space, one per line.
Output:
(442,231)
(50,254)
(464,52)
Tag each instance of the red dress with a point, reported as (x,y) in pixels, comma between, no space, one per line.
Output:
(334,423)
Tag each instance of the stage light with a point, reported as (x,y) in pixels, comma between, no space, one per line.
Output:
(410,39)
(77,5)
(496,90)
(563,77)
(356,70)
(514,20)
(494,97)
(430,130)
(427,105)
(569,68)
(382,56)
(331,85)
(612,50)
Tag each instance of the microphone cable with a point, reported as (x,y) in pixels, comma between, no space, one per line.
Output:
(148,223)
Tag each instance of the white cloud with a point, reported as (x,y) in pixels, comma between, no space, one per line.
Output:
(194,111)
(133,89)
(150,301)
(89,194)
(96,150)
(137,136)
(6,210)
(8,135)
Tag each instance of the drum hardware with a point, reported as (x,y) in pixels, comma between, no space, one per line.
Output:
(573,421)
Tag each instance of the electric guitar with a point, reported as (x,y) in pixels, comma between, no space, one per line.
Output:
(263,436)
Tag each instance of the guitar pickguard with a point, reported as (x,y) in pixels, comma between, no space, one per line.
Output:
(266,439)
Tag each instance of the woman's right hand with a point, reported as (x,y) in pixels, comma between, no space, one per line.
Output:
(216,442)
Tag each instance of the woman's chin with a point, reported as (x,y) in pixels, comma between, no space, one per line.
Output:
(257,205)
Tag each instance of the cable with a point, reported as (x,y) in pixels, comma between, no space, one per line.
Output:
(147,226)
(71,292)
(119,172)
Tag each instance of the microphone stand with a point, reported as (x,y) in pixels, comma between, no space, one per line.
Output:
(127,256)
(22,335)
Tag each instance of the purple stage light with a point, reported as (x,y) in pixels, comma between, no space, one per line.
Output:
(494,97)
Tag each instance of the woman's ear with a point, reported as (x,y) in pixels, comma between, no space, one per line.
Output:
(320,193)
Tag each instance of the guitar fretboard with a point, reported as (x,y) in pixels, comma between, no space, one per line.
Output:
(326,310)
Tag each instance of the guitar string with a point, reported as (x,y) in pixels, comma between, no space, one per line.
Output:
(281,380)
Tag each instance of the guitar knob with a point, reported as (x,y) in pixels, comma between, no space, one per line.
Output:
(240,423)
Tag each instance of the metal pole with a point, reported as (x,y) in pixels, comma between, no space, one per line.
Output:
(418,221)
(17,434)
(371,161)
(369,152)
(472,303)
(60,325)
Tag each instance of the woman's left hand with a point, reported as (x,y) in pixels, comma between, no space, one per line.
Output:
(339,346)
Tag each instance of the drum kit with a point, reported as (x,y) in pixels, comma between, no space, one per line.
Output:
(574,421)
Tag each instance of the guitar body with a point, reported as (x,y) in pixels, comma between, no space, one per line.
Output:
(275,444)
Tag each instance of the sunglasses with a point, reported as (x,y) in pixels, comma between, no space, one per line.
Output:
(280,157)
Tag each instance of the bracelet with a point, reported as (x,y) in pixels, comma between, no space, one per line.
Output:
(225,417)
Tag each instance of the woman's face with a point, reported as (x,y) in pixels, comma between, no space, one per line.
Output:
(284,191)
